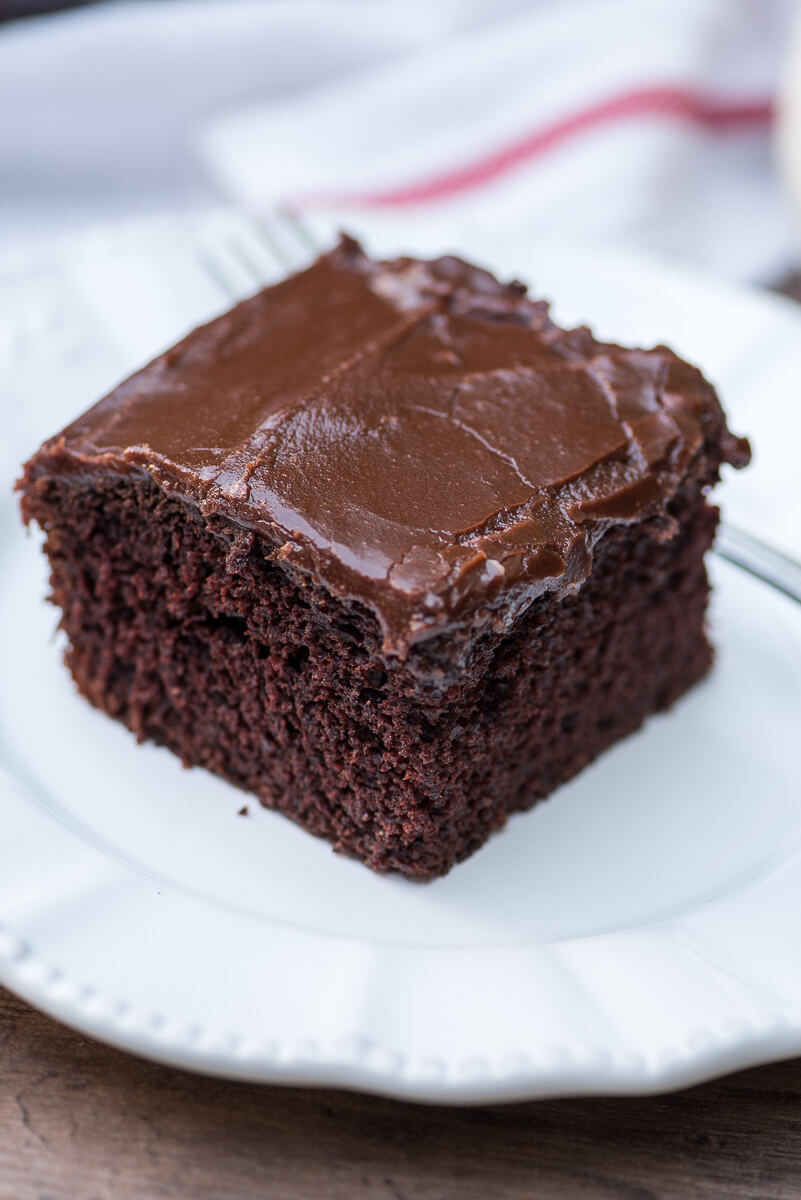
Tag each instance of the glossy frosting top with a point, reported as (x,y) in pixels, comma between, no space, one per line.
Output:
(416,435)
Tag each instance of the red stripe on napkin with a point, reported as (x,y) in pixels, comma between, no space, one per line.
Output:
(672,102)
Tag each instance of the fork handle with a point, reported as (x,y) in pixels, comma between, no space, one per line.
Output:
(754,556)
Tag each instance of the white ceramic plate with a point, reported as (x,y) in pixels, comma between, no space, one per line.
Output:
(639,931)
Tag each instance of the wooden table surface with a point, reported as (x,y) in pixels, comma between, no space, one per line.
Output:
(79,1121)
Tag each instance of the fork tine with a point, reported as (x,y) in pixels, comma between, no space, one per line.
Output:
(266,240)
(221,280)
(223,261)
(260,269)
(241,254)
(257,245)
(298,227)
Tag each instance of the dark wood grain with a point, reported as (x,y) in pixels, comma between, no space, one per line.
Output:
(80,1121)
(14,10)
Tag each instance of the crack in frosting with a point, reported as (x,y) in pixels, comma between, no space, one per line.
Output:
(416,435)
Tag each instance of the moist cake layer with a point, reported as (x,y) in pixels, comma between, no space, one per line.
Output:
(246,668)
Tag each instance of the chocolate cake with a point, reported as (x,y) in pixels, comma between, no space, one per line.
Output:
(388,549)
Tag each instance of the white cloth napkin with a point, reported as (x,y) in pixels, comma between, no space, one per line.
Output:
(642,121)
(99,106)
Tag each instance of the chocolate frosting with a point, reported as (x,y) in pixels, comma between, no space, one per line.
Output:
(414,435)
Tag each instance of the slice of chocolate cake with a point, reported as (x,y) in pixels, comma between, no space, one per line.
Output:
(388,549)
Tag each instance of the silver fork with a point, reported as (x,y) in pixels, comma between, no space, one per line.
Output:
(245,254)
(253,253)
(755,556)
